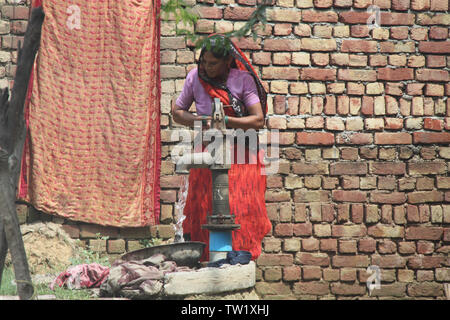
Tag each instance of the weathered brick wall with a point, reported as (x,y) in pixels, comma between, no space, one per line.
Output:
(364,121)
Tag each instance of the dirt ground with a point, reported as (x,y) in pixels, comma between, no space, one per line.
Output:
(49,249)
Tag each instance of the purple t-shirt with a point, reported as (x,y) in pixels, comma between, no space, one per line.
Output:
(240,83)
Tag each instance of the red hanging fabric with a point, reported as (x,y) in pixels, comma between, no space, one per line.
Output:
(93,151)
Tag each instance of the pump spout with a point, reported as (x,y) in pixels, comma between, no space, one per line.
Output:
(194,160)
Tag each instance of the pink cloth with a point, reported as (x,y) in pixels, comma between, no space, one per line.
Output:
(82,276)
(240,83)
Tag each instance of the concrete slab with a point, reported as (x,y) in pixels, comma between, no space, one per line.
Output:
(227,278)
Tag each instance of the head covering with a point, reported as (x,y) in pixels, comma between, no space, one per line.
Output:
(240,62)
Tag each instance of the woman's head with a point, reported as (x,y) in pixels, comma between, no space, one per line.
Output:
(215,59)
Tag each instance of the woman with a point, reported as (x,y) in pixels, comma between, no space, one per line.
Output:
(225,73)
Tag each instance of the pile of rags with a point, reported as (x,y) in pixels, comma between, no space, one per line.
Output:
(140,279)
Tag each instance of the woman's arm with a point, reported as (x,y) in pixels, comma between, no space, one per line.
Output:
(254,120)
(185,117)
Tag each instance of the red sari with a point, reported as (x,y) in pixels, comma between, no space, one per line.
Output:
(247,186)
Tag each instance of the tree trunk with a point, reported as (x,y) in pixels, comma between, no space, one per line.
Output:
(12,140)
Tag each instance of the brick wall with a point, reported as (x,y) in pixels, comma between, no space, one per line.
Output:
(364,121)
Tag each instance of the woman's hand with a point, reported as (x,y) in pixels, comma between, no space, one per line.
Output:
(206,122)
(187,118)
(254,120)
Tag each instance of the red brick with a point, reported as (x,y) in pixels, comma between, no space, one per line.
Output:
(359,31)
(348,231)
(314,138)
(238,13)
(15,12)
(275,259)
(440,47)
(446,236)
(277,195)
(348,168)
(283,73)
(282,29)
(425,262)
(425,247)
(247,43)
(302,168)
(309,44)
(262,58)
(386,231)
(343,3)
(349,196)
(425,289)
(391,18)
(354,17)
(284,15)
(424,233)
(351,261)
(302,229)
(318,288)
(116,246)
(312,273)
(431,137)
(171,181)
(207,12)
(400,5)
(348,289)
(433,124)
(437,5)
(432,75)
(328,245)
(390,198)
(168,196)
(347,246)
(398,74)
(72,230)
(313,259)
(420,5)
(323,3)
(399,33)
(357,211)
(413,213)
(425,196)
(282,45)
(389,261)
(386,138)
(388,168)
(367,245)
(291,273)
(279,104)
(426,168)
(359,46)
(357,75)
(168,71)
(436,61)
(92,231)
(319,16)
(317,74)
(283,230)
(245,2)
(438,33)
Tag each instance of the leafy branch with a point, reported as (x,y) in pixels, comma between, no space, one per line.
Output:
(184,13)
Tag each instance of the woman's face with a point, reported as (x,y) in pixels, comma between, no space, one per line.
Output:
(214,67)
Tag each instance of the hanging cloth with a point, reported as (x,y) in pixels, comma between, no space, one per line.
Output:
(93,114)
